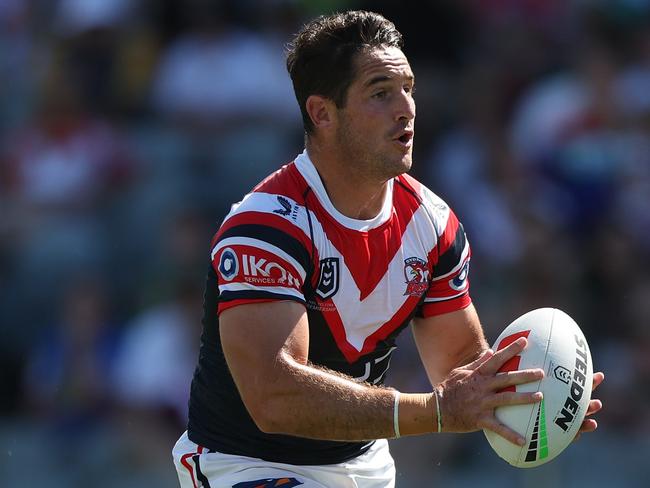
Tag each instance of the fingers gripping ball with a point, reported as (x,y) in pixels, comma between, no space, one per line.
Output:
(557,345)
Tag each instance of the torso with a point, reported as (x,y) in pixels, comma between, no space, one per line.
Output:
(360,281)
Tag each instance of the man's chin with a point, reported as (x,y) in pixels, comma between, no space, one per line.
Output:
(397,169)
(405,164)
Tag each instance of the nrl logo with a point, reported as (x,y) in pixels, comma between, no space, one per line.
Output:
(328,284)
(416,274)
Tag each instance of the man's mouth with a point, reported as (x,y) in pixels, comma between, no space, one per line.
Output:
(405,137)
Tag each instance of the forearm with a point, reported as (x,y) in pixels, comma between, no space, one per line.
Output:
(312,402)
(285,394)
(448,341)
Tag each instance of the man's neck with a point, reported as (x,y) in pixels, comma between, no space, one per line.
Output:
(351,193)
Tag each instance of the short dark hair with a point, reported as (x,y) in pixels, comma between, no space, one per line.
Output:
(320,57)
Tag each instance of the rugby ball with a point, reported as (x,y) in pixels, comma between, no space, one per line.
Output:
(557,345)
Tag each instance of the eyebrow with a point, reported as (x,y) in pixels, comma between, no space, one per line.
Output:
(382,78)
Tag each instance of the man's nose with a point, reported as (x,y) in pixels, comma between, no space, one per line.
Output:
(406,106)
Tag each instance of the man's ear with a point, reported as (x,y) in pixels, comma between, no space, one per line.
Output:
(321,111)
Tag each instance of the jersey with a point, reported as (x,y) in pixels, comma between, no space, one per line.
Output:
(361,282)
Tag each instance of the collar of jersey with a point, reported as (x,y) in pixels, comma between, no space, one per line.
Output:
(311,176)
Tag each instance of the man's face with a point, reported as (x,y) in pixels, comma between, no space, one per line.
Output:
(375,129)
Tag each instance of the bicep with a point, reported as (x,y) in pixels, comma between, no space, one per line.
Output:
(448,340)
(258,338)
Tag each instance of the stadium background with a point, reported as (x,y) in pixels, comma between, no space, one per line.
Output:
(127,127)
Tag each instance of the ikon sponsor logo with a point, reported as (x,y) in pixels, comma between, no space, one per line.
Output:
(228,264)
(460,281)
(264,272)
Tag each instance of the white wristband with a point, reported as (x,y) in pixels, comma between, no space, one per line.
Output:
(396,414)
(438,414)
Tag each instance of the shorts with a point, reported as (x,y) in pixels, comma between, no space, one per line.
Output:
(197,467)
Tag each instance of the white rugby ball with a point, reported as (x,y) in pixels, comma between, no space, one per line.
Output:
(557,345)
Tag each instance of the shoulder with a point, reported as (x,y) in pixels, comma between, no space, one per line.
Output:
(263,249)
(273,193)
(275,201)
(435,207)
(272,217)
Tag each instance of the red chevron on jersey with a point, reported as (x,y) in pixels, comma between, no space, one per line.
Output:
(367,252)
(341,334)
(365,278)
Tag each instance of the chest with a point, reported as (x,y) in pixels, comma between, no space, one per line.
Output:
(368,284)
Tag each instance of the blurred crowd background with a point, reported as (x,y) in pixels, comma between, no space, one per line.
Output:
(128,127)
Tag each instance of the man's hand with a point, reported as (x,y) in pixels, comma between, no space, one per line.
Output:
(470,393)
(589,425)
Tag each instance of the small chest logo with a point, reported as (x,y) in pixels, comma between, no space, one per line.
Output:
(288,209)
(416,274)
(328,284)
(286,206)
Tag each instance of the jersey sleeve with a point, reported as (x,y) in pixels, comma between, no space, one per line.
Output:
(449,288)
(260,256)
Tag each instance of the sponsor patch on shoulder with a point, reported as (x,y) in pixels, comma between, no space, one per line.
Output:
(459,282)
(228,264)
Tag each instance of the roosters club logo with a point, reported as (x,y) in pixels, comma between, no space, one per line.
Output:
(417,276)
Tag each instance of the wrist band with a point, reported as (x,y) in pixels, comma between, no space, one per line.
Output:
(438,414)
(396,414)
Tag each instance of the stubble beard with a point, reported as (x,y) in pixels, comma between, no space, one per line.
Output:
(366,160)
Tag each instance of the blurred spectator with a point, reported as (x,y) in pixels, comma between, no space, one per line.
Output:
(66,161)
(222,73)
(67,368)
(222,86)
(632,94)
(178,257)
(152,374)
(158,354)
(156,361)
(59,175)
(473,168)
(75,16)
(564,131)
(17,62)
